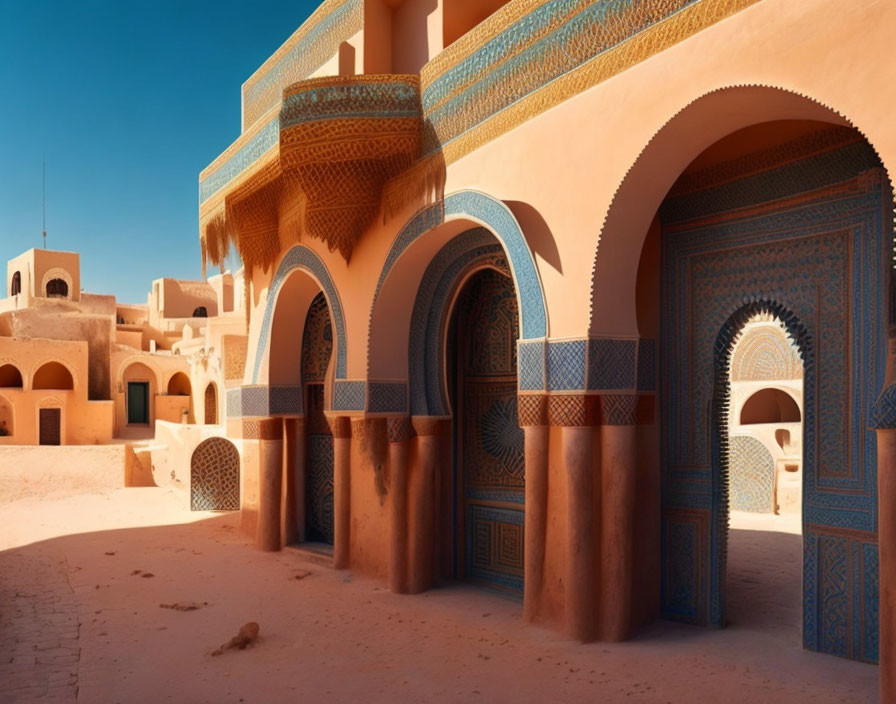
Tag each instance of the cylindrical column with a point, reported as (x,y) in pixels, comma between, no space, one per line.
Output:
(270,480)
(400,431)
(290,505)
(536,456)
(421,505)
(580,593)
(342,450)
(886,535)
(618,483)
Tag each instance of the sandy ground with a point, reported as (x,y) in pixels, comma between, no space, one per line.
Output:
(80,620)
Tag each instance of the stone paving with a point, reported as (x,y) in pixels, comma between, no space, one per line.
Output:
(39,646)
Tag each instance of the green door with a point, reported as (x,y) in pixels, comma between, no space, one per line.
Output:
(138,402)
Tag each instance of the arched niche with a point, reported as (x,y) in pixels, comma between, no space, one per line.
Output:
(10,377)
(770,405)
(53,375)
(179,385)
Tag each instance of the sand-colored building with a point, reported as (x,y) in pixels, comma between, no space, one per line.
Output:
(79,368)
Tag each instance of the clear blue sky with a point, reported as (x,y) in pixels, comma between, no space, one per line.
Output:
(129,101)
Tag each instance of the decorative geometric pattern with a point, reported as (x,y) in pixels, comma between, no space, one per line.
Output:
(285,401)
(349,395)
(531,363)
(386,397)
(751,471)
(319,489)
(530,56)
(304,259)
(532,409)
(248,401)
(494,549)
(611,364)
(317,341)
(883,412)
(236,347)
(818,261)
(399,429)
(215,476)
(765,354)
(646,365)
(566,365)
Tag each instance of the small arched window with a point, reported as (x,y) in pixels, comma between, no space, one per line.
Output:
(57,288)
(16,288)
(200,312)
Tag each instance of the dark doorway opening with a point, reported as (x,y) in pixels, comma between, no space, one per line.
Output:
(138,403)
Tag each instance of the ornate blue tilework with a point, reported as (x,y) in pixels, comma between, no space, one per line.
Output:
(302,258)
(248,401)
(611,364)
(349,395)
(285,400)
(387,397)
(566,365)
(530,365)
(496,216)
(883,412)
(254,148)
(646,365)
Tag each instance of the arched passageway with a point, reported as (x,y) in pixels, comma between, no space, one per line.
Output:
(789,218)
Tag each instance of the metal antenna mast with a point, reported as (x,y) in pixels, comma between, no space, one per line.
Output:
(44,206)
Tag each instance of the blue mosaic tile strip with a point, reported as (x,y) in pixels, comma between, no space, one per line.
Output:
(387,397)
(267,137)
(566,365)
(234,402)
(349,395)
(301,258)
(646,365)
(530,365)
(286,400)
(611,364)
(245,401)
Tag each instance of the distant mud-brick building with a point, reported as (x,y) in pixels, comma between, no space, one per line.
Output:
(498,257)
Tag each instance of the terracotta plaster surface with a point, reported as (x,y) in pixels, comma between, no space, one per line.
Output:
(77,616)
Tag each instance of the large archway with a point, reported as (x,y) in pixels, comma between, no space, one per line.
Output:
(776,204)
